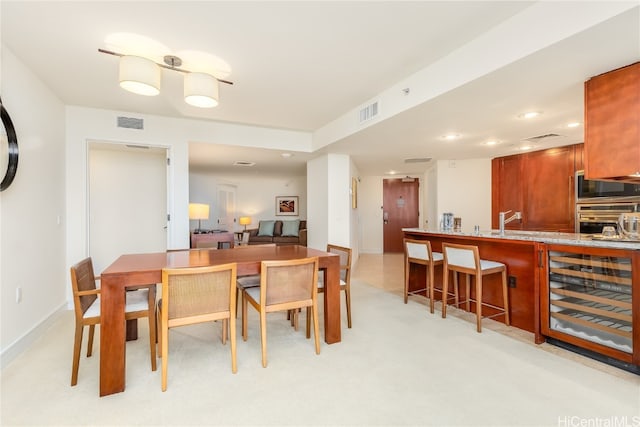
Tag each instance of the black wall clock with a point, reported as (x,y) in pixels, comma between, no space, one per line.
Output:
(8,150)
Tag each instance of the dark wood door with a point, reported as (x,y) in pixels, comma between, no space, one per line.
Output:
(400,210)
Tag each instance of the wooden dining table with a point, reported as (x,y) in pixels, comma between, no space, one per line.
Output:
(131,270)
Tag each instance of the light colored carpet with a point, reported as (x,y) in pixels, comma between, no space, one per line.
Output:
(398,365)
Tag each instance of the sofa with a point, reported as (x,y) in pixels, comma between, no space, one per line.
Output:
(280,232)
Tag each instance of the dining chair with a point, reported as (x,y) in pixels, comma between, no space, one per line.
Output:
(419,252)
(466,259)
(86,300)
(196,295)
(252,281)
(284,285)
(345,278)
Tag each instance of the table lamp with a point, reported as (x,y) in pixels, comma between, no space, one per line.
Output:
(198,211)
(245,220)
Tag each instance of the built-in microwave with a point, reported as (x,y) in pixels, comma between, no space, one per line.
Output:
(590,190)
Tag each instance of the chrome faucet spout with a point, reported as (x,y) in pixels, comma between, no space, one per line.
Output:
(504,220)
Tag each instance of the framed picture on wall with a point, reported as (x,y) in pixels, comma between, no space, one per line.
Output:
(287,205)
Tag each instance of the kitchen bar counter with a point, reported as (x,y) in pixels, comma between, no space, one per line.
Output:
(548,237)
(523,252)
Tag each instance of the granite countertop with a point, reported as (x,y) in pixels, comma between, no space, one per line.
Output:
(550,237)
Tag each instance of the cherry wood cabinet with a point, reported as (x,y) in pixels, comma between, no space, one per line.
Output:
(612,124)
(539,184)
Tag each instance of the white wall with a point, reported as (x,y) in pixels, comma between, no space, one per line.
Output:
(255,196)
(464,188)
(32,209)
(317,202)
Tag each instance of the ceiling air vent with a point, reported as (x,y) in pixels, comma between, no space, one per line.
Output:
(368,112)
(243,163)
(418,160)
(130,123)
(541,137)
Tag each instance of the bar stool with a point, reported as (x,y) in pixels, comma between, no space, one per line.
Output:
(466,259)
(419,252)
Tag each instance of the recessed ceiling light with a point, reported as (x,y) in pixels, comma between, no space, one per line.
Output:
(573,124)
(286,155)
(392,172)
(529,114)
(491,142)
(525,147)
(451,136)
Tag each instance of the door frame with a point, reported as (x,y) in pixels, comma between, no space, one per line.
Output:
(168,196)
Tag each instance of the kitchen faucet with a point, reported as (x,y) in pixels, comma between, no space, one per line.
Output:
(503,220)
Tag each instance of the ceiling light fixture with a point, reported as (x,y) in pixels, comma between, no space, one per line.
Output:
(492,142)
(573,124)
(142,76)
(529,114)
(451,136)
(200,90)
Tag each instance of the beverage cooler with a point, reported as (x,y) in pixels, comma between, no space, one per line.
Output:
(588,297)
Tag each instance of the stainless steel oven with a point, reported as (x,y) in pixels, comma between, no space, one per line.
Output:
(592,217)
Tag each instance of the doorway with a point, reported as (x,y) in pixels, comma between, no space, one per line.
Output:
(400,210)
(127,197)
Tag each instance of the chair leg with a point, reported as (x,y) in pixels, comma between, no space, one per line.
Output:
(263,337)
(244,316)
(165,354)
(455,289)
(159,336)
(152,326)
(316,327)
(308,322)
(347,296)
(445,290)
(224,331)
(505,296)
(468,291)
(430,287)
(407,268)
(479,302)
(92,329)
(232,338)
(77,345)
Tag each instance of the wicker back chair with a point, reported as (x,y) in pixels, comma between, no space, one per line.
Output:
(284,286)
(86,301)
(196,295)
(345,277)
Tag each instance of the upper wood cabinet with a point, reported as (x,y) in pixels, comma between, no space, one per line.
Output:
(539,184)
(612,124)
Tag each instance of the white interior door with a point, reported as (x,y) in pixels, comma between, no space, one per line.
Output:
(127,201)
(226,209)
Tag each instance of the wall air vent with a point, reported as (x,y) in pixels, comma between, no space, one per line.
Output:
(130,123)
(418,160)
(369,112)
(243,163)
(541,137)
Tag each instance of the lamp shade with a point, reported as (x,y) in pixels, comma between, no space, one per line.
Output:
(198,211)
(245,220)
(200,90)
(139,75)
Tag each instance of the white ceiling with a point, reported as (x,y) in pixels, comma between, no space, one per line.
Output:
(301,65)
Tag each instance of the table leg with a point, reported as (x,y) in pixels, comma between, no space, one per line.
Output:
(112,336)
(332,301)
(132,329)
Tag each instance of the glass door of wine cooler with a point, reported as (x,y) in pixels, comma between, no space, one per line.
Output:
(590,298)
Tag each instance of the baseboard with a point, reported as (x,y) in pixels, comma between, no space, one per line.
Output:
(14,349)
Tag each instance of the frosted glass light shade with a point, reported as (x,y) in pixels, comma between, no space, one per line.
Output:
(139,75)
(200,90)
